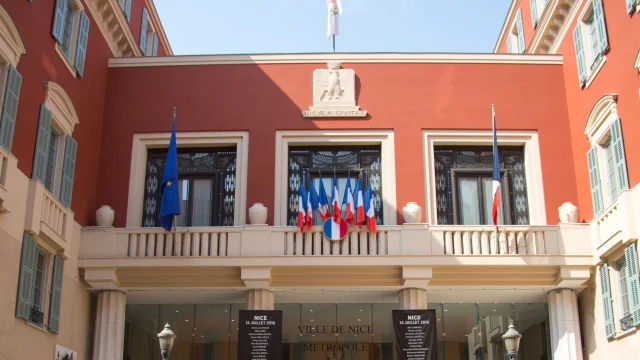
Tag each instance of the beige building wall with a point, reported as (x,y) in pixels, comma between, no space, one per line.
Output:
(18,339)
(596,345)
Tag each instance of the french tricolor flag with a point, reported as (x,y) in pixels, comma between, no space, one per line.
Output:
(496,172)
(335,202)
(335,230)
(302,205)
(359,204)
(312,204)
(369,209)
(350,210)
(323,203)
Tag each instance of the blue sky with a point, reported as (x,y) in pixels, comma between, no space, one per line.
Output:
(299,26)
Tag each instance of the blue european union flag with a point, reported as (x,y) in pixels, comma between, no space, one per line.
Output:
(170,205)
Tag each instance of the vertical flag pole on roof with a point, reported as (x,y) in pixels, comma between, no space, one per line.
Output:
(333,28)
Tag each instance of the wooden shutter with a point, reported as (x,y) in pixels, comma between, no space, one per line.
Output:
(579,46)
(154,47)
(10,107)
(633,284)
(59,16)
(56,295)
(81,45)
(620,163)
(143,31)
(27,277)
(534,12)
(127,9)
(607,308)
(42,145)
(598,20)
(594,178)
(521,46)
(68,170)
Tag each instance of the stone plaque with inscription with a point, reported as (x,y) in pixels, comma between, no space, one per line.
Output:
(334,93)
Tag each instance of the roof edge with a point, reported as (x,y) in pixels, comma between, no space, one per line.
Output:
(318,58)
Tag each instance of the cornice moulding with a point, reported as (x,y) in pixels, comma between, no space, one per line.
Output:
(114,27)
(418,58)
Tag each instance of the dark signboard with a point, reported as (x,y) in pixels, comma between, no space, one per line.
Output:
(416,337)
(260,334)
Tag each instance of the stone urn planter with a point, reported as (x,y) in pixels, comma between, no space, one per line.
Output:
(568,213)
(105,215)
(258,214)
(412,213)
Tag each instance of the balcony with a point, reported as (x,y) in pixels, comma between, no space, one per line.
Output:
(8,172)
(616,225)
(47,218)
(405,255)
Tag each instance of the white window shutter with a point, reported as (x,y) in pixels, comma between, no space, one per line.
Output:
(521,46)
(143,31)
(42,145)
(579,46)
(81,46)
(594,177)
(56,295)
(10,107)
(154,45)
(68,170)
(26,278)
(620,162)
(633,284)
(534,12)
(59,16)
(127,9)
(598,19)
(607,308)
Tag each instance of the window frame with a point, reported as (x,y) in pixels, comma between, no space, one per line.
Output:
(532,165)
(45,283)
(622,278)
(615,290)
(69,59)
(479,175)
(49,252)
(593,63)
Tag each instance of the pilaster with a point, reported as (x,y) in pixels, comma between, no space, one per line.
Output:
(109,329)
(260,299)
(565,324)
(412,298)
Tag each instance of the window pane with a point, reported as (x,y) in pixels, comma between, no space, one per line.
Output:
(611,175)
(51,161)
(40,269)
(469,201)
(487,187)
(201,208)
(624,293)
(68,26)
(183,189)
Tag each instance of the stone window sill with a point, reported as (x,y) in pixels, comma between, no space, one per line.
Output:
(65,60)
(41,328)
(624,334)
(595,71)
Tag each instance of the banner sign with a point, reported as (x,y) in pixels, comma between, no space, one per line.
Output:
(416,337)
(260,335)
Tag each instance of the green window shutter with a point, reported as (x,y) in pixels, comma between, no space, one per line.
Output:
(520,32)
(620,163)
(154,47)
(631,5)
(10,107)
(68,170)
(42,145)
(143,31)
(633,284)
(26,281)
(509,46)
(81,45)
(607,307)
(579,46)
(534,12)
(56,295)
(594,177)
(127,9)
(59,15)
(598,19)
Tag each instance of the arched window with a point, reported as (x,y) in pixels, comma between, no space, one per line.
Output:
(606,159)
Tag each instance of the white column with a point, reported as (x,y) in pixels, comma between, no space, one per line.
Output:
(260,299)
(412,299)
(565,325)
(109,330)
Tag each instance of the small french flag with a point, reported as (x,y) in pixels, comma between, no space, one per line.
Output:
(302,205)
(359,204)
(348,201)
(335,230)
(496,172)
(312,204)
(335,202)
(323,206)
(369,210)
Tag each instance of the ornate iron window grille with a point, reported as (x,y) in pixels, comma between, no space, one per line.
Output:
(455,159)
(307,163)
(218,164)
(626,322)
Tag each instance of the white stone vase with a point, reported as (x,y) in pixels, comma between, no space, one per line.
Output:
(568,213)
(258,214)
(105,215)
(412,213)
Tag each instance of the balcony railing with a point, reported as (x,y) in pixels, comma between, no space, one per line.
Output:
(408,239)
(626,322)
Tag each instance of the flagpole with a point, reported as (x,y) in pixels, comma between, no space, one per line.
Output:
(493,120)
(175,221)
(334,43)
